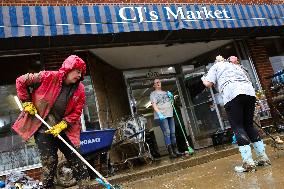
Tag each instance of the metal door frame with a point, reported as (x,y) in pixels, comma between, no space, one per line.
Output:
(190,112)
(181,95)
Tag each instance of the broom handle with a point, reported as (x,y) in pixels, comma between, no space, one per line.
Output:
(186,141)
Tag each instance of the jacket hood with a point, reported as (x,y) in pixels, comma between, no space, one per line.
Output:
(73,62)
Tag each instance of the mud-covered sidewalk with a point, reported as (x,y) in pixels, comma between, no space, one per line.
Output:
(201,170)
(218,174)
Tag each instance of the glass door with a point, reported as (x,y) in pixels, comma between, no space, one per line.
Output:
(139,91)
(203,108)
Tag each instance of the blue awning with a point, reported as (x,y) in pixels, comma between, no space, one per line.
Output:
(18,21)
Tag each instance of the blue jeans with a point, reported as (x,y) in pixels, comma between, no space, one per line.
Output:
(168,128)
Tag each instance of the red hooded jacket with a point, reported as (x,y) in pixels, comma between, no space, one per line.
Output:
(44,96)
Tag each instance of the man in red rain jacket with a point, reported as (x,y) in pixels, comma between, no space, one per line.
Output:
(58,97)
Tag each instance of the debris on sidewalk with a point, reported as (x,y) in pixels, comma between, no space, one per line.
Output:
(278,140)
(20,180)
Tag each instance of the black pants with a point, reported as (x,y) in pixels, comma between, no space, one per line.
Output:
(48,146)
(240,112)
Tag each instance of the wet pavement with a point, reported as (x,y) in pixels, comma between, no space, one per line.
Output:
(208,168)
(219,174)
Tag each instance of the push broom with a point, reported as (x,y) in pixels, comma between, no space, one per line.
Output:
(190,150)
(101,180)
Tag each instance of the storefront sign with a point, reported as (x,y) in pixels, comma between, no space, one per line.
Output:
(149,73)
(18,21)
(144,14)
(152,74)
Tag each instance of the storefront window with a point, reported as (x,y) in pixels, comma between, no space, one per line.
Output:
(275,51)
(90,111)
(14,152)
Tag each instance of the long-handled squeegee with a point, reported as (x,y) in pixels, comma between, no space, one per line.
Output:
(101,179)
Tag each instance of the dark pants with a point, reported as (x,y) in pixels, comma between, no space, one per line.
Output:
(240,112)
(48,146)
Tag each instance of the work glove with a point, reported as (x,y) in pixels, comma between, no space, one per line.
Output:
(161,116)
(56,129)
(170,95)
(30,108)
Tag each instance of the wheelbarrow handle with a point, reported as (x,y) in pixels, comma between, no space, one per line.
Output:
(130,137)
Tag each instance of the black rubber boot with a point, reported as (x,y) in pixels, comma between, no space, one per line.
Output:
(171,152)
(175,150)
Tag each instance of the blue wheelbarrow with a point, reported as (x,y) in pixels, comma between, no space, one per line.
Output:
(92,144)
(96,140)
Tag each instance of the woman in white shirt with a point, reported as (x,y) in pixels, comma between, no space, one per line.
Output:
(163,115)
(238,94)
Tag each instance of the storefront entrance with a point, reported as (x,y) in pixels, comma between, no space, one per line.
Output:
(140,86)
(180,67)
(196,106)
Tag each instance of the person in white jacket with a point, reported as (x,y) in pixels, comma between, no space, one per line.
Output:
(233,81)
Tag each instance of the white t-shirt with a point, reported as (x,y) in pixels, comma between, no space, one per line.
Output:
(230,79)
(163,103)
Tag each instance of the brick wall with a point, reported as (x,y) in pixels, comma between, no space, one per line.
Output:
(53,60)
(264,68)
(34,173)
(91,2)
(110,90)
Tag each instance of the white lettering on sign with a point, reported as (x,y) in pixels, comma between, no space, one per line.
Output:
(122,13)
(90,141)
(178,13)
(142,14)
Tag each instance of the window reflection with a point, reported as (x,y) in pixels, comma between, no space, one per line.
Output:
(14,152)
(90,111)
(275,50)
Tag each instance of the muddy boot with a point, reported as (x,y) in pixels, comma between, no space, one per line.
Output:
(248,163)
(262,158)
(175,150)
(171,152)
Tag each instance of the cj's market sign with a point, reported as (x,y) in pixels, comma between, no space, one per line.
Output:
(142,14)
